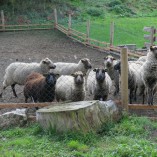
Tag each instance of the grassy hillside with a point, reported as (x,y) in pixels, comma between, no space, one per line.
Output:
(130,16)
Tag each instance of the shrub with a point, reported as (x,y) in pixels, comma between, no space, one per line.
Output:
(95,11)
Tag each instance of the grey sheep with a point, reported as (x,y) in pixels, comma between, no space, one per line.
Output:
(134,78)
(109,62)
(17,72)
(149,73)
(99,84)
(64,68)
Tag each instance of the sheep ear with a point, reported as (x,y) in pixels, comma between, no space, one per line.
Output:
(95,69)
(151,48)
(113,58)
(57,75)
(73,75)
(105,70)
(83,60)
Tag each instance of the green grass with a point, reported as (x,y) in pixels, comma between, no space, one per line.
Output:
(130,137)
(126,30)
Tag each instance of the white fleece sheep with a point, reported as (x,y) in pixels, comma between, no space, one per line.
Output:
(149,73)
(71,87)
(17,72)
(99,84)
(63,68)
(109,62)
(142,58)
(134,78)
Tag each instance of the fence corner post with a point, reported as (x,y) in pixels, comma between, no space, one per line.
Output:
(56,19)
(3,20)
(111,33)
(88,32)
(69,24)
(124,78)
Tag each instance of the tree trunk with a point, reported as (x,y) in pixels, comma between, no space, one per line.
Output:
(79,116)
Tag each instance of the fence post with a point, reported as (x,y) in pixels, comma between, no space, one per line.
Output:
(56,20)
(88,32)
(3,21)
(152,36)
(111,33)
(69,24)
(124,78)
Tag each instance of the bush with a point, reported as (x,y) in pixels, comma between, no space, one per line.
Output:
(95,11)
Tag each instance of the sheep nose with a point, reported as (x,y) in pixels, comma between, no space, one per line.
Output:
(89,66)
(54,66)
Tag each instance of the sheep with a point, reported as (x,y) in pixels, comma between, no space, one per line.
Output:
(71,87)
(17,72)
(109,62)
(63,68)
(142,58)
(40,88)
(99,84)
(149,73)
(134,78)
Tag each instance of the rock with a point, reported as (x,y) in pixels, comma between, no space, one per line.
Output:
(13,118)
(81,116)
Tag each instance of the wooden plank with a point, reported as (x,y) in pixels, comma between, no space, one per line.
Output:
(69,24)
(3,20)
(147,37)
(78,32)
(141,106)
(56,18)
(147,29)
(26,29)
(29,25)
(24,105)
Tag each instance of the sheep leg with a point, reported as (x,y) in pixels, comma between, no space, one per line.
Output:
(131,96)
(2,92)
(150,96)
(13,89)
(135,98)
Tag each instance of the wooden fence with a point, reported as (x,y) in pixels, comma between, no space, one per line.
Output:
(85,39)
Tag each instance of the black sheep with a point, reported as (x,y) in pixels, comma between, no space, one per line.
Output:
(40,88)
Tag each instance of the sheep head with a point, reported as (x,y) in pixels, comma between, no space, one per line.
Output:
(78,77)
(86,62)
(100,74)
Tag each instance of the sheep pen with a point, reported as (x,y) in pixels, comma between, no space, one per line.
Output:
(33,46)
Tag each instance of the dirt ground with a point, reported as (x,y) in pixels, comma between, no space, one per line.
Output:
(32,46)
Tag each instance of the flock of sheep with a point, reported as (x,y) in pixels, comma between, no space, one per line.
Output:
(142,76)
(47,81)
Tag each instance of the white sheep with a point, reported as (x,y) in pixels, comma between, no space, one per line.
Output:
(142,58)
(149,73)
(63,68)
(71,87)
(134,78)
(109,62)
(17,72)
(99,84)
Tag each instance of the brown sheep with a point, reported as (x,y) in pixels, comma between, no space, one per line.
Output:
(40,88)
